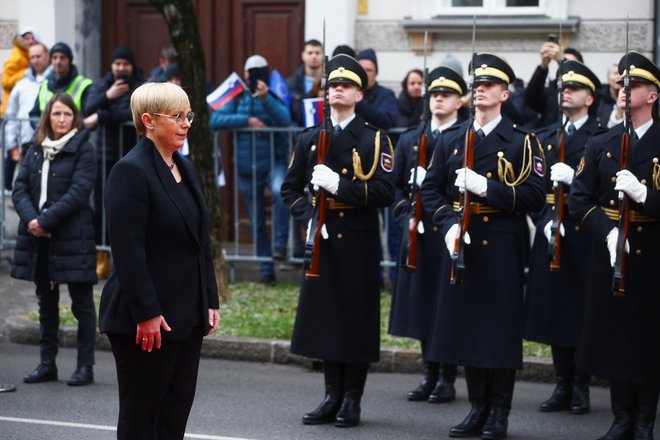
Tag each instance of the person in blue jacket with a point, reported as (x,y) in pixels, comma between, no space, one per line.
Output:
(260,108)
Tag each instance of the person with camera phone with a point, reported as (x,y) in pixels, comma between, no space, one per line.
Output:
(108,109)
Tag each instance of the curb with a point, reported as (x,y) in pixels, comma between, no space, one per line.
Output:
(23,330)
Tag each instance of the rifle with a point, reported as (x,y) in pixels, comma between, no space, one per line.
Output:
(619,275)
(458,256)
(554,245)
(416,204)
(312,261)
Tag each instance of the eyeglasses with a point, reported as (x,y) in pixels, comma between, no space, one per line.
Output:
(180,117)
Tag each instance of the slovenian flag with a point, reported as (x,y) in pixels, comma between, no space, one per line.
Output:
(228,90)
(313,111)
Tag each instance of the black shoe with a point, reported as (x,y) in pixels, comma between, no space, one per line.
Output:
(325,413)
(473,423)
(349,413)
(82,376)
(443,392)
(268,280)
(496,425)
(427,383)
(580,400)
(279,253)
(7,387)
(45,372)
(560,399)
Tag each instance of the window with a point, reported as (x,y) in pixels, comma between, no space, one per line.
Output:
(489,7)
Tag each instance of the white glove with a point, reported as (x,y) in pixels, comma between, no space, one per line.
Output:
(547,232)
(324,231)
(612,238)
(326,178)
(421,174)
(473,182)
(420,226)
(450,238)
(560,172)
(628,183)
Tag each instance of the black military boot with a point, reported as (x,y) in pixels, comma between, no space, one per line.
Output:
(580,403)
(501,395)
(444,390)
(477,385)
(423,390)
(622,397)
(562,358)
(327,410)
(647,404)
(355,377)
(46,371)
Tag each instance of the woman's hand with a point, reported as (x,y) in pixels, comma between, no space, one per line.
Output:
(148,332)
(214,320)
(35,229)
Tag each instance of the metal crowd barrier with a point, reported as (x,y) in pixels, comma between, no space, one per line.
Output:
(235,249)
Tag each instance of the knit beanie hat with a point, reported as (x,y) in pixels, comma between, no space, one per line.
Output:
(124,53)
(63,48)
(368,54)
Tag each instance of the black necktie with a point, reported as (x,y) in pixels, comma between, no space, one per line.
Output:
(571,129)
(337,129)
(480,135)
(436,133)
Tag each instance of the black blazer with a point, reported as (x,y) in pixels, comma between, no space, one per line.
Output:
(162,263)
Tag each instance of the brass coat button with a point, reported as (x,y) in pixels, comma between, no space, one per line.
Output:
(577,228)
(341,214)
(340,236)
(613,179)
(643,181)
(435,229)
(313,148)
(415,148)
(485,219)
(489,174)
(638,252)
(549,147)
(455,152)
(609,155)
(485,242)
(344,171)
(639,229)
(611,202)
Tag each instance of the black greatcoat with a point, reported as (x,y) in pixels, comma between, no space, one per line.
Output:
(414,294)
(480,323)
(163,263)
(554,302)
(620,333)
(338,315)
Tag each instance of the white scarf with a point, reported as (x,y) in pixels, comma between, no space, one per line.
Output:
(51,148)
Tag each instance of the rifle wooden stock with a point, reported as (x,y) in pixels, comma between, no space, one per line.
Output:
(619,276)
(458,256)
(313,244)
(417,208)
(554,245)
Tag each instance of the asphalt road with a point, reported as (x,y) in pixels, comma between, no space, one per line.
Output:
(243,400)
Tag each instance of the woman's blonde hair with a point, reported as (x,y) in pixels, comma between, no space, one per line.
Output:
(44,122)
(157,98)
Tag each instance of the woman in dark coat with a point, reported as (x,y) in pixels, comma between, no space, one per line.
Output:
(55,241)
(163,277)
(410,99)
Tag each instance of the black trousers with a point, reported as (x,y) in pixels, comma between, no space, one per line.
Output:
(82,306)
(156,390)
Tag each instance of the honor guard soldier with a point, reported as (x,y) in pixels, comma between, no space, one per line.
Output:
(621,327)
(416,288)
(478,322)
(338,318)
(554,300)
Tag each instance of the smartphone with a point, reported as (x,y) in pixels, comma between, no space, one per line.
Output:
(552,38)
(255,74)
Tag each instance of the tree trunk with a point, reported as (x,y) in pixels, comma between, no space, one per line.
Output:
(184,31)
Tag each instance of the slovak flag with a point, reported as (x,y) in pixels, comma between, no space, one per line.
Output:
(313,111)
(228,90)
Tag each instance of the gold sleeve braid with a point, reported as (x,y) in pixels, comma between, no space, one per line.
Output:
(505,168)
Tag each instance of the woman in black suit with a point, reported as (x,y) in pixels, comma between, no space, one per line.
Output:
(163,278)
